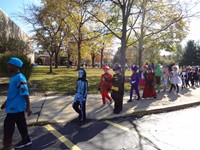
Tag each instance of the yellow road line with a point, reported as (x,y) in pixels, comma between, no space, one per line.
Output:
(118,126)
(126,129)
(62,138)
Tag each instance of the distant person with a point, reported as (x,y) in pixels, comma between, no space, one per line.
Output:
(152,66)
(149,90)
(16,104)
(184,77)
(135,78)
(158,73)
(175,79)
(105,85)
(79,103)
(117,89)
(165,78)
(142,81)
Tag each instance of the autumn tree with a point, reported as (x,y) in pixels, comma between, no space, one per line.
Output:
(79,17)
(137,22)
(49,27)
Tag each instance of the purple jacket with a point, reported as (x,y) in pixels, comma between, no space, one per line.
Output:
(135,78)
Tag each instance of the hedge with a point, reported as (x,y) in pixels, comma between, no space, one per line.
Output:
(26,68)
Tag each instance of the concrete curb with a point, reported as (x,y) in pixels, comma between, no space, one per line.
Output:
(134,114)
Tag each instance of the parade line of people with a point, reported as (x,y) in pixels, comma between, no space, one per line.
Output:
(149,78)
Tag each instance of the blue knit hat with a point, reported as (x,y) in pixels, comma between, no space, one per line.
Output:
(15,61)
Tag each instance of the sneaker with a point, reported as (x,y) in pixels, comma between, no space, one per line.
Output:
(110,102)
(130,100)
(103,105)
(23,143)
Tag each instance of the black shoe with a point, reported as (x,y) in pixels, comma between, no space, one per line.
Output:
(116,112)
(155,97)
(23,143)
(130,100)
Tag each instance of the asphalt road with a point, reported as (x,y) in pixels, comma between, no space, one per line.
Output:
(178,130)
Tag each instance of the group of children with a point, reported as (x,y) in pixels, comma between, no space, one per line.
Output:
(151,79)
(148,78)
(107,83)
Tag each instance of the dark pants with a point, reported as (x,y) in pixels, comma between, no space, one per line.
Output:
(192,82)
(79,107)
(173,86)
(9,127)
(187,82)
(118,99)
(134,87)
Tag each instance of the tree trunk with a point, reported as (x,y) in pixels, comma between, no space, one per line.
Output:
(140,50)
(68,58)
(123,40)
(101,63)
(56,60)
(50,67)
(93,57)
(141,40)
(79,55)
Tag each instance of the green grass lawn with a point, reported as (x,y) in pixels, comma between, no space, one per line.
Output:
(63,80)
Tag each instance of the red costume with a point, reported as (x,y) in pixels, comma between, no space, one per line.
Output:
(149,90)
(105,85)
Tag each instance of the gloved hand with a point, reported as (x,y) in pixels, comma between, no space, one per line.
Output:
(133,82)
(99,89)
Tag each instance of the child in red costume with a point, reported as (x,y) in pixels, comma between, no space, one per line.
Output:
(105,85)
(149,90)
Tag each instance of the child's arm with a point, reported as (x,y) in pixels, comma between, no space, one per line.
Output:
(28,107)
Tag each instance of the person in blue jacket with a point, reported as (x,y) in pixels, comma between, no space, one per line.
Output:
(81,95)
(135,78)
(16,104)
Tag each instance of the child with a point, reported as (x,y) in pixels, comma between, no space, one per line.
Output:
(158,73)
(117,89)
(16,104)
(175,79)
(134,83)
(105,85)
(81,95)
(189,77)
(184,77)
(149,90)
(165,78)
(142,81)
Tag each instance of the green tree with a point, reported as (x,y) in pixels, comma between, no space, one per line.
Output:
(26,68)
(49,27)
(77,12)
(140,22)
(190,54)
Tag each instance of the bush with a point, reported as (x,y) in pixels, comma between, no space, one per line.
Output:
(26,68)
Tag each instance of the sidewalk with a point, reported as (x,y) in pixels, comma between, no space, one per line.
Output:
(58,109)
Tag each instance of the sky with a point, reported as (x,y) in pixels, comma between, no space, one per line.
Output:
(10,9)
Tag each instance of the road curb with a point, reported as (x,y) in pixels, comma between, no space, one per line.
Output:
(134,114)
